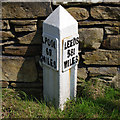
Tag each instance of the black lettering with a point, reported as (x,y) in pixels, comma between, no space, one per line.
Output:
(46,40)
(72,52)
(47,51)
(51,62)
(55,66)
(65,46)
(73,60)
(49,42)
(68,43)
(50,52)
(70,62)
(53,45)
(68,53)
(77,40)
(65,64)
(71,43)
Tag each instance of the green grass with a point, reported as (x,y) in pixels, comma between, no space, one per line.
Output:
(93,102)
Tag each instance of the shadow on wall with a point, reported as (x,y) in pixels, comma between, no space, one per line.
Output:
(23,47)
(29,77)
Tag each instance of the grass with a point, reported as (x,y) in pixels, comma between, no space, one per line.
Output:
(94,101)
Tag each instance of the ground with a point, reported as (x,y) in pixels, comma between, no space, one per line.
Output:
(94,100)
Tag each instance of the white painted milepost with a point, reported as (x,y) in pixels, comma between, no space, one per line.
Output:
(60,57)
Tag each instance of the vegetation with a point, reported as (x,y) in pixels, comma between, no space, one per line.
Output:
(94,101)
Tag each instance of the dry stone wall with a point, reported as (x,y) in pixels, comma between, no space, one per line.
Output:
(21,41)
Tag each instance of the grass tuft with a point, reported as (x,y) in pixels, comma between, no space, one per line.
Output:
(94,101)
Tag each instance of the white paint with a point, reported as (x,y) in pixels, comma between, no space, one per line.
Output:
(58,86)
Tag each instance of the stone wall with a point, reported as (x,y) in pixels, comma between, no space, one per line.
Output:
(21,41)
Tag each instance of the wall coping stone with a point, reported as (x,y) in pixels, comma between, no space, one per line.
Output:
(64,1)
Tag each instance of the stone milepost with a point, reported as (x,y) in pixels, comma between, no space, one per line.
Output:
(60,57)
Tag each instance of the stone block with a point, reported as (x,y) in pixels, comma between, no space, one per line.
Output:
(84,2)
(25,9)
(95,23)
(102,71)
(111,30)
(107,78)
(31,38)
(5,25)
(7,42)
(105,12)
(101,83)
(81,73)
(23,22)
(27,28)
(18,69)
(23,50)
(111,42)
(111,1)
(78,13)
(102,57)
(5,35)
(90,37)
(116,80)
(4,84)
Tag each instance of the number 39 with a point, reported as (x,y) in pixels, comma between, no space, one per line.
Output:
(49,52)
